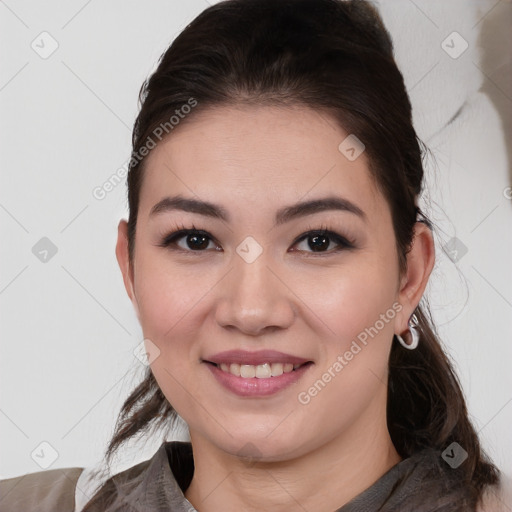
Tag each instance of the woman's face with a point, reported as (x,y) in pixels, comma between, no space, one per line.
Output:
(256,281)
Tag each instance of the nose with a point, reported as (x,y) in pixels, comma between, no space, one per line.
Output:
(254,298)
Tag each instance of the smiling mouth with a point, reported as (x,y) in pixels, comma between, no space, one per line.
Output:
(260,371)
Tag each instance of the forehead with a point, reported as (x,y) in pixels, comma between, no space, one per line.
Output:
(257,156)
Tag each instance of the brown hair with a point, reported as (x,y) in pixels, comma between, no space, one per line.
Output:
(333,56)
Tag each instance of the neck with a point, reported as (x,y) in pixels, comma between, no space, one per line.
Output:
(322,480)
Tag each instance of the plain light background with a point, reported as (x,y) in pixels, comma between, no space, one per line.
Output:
(68,331)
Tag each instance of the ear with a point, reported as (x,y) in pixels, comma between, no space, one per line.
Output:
(420,262)
(123,260)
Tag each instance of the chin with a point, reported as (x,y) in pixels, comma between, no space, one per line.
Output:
(257,446)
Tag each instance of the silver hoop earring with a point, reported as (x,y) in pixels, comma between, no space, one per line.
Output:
(413,334)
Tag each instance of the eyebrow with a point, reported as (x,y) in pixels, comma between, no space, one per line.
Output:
(283,215)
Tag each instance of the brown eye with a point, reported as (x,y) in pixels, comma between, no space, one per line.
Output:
(190,240)
(196,242)
(322,241)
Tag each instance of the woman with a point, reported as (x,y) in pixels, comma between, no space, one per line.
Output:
(276,257)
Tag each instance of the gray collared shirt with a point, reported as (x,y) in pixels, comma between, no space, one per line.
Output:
(420,483)
(161,486)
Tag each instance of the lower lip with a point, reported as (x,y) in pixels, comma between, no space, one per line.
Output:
(257,387)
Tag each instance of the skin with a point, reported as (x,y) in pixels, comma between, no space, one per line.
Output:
(272,453)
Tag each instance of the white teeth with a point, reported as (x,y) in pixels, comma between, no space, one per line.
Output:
(263,371)
(277,369)
(247,371)
(260,371)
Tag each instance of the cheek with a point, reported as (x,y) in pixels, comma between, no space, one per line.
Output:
(167,295)
(170,306)
(348,299)
(358,305)
(359,309)
(171,312)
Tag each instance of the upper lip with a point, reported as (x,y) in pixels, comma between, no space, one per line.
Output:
(254,358)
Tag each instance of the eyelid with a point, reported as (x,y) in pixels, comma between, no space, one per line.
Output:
(345,241)
(180,232)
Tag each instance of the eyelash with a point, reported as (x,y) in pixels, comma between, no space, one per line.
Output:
(181,231)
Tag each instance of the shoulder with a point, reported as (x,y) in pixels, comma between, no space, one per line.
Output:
(498,498)
(42,491)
